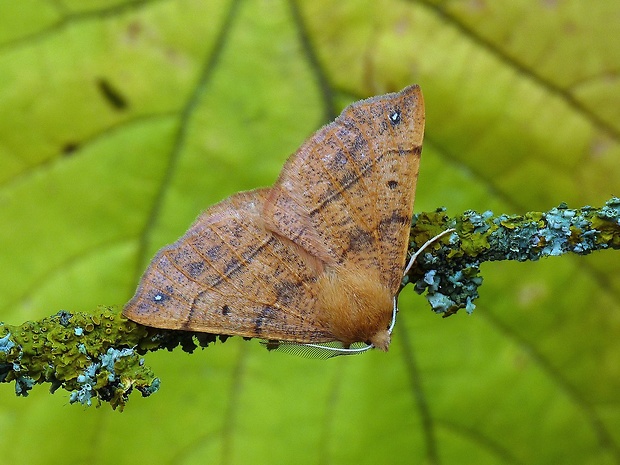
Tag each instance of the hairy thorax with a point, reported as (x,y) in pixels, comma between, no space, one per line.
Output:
(355,306)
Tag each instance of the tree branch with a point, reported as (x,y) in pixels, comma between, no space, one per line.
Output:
(98,357)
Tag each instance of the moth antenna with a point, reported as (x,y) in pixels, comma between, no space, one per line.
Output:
(408,267)
(342,350)
(394,312)
(321,351)
(425,245)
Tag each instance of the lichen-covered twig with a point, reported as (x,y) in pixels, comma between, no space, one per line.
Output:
(450,275)
(98,356)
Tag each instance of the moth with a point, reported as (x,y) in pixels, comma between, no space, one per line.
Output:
(316,258)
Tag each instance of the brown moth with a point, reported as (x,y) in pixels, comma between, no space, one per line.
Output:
(316,258)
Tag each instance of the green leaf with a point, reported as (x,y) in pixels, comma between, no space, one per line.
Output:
(121,121)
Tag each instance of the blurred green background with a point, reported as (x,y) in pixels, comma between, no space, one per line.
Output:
(121,120)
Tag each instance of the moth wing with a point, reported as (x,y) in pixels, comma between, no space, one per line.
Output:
(229,275)
(346,196)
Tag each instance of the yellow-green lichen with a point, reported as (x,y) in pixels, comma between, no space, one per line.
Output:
(79,352)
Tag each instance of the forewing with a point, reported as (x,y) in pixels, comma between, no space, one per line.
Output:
(346,196)
(229,275)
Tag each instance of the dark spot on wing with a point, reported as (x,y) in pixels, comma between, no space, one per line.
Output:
(265,314)
(383,126)
(236,231)
(392,184)
(285,291)
(195,269)
(348,180)
(360,144)
(339,160)
(225,310)
(214,253)
(417,150)
(360,240)
(395,217)
(232,267)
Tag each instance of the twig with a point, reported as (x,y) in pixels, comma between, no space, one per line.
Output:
(98,357)
(450,274)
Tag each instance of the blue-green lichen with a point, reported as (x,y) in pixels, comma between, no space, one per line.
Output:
(450,275)
(6,344)
(102,373)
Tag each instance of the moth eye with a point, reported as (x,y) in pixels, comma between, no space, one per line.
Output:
(395,117)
